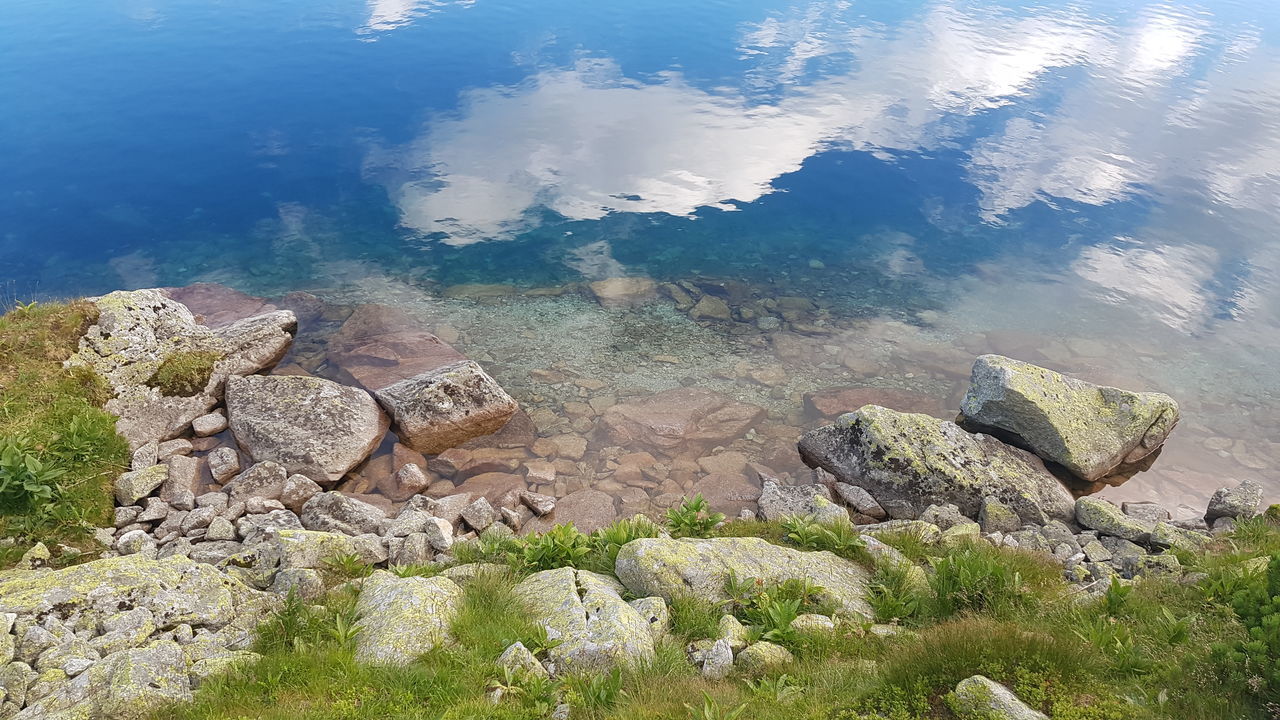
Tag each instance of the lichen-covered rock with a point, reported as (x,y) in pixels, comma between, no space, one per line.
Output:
(337,513)
(264,479)
(596,627)
(763,656)
(1093,431)
(995,516)
(1107,519)
(779,502)
(132,486)
(981,697)
(518,658)
(446,407)
(402,618)
(137,330)
(717,661)
(670,568)
(309,425)
(732,631)
(654,610)
(1237,503)
(909,461)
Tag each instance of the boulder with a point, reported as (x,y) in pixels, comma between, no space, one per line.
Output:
(717,661)
(334,512)
(621,292)
(309,425)
(132,486)
(588,510)
(1106,518)
(1093,431)
(763,656)
(138,330)
(402,618)
(779,502)
(909,461)
(596,627)
(380,345)
(446,407)
(729,493)
(981,697)
(1237,503)
(677,421)
(669,568)
(265,480)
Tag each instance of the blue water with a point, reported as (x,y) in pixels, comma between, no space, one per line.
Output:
(1104,169)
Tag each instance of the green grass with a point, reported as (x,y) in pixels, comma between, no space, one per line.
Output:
(183,374)
(54,417)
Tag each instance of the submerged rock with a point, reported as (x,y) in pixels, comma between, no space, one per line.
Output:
(309,425)
(380,345)
(669,568)
(447,406)
(402,618)
(620,292)
(909,461)
(679,420)
(596,627)
(1093,431)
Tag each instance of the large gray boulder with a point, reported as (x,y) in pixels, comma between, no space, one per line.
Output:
(446,407)
(981,697)
(1238,503)
(402,618)
(137,330)
(309,425)
(669,568)
(1093,431)
(596,627)
(909,461)
(779,502)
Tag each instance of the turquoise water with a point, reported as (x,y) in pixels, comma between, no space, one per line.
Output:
(1090,185)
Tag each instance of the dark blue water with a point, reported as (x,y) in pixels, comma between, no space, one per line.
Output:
(1103,170)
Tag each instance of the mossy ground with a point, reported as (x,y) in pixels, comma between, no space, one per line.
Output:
(183,374)
(1158,650)
(55,416)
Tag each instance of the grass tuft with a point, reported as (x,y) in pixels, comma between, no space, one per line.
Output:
(184,373)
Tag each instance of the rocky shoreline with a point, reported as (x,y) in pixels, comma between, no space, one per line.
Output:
(241,492)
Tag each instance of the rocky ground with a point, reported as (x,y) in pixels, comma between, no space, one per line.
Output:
(389,446)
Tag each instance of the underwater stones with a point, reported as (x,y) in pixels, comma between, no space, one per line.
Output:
(909,461)
(677,421)
(380,345)
(669,568)
(446,407)
(337,513)
(833,402)
(138,330)
(779,502)
(710,307)
(309,425)
(402,618)
(729,493)
(1237,503)
(622,292)
(979,696)
(1093,431)
(588,510)
(597,629)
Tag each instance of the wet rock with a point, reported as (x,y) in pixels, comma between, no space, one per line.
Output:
(309,425)
(380,345)
(588,510)
(729,494)
(668,567)
(909,461)
(1237,503)
(677,421)
(779,502)
(447,406)
(833,402)
(338,513)
(410,480)
(137,330)
(1091,430)
(596,627)
(621,292)
(710,307)
(500,489)
(402,618)
(980,696)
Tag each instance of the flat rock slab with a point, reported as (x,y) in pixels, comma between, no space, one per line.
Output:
(447,406)
(309,425)
(909,461)
(1093,431)
(588,510)
(670,568)
(402,618)
(678,421)
(597,628)
(379,345)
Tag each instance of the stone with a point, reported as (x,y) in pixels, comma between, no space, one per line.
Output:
(155,511)
(380,345)
(261,480)
(909,461)
(309,425)
(588,510)
(540,504)
(860,500)
(209,424)
(979,696)
(134,485)
(479,514)
(779,502)
(995,516)
(517,658)
(135,541)
(1148,511)
(764,656)
(655,612)
(338,513)
(622,292)
(170,448)
(728,494)
(1107,519)
(813,623)
(251,528)
(137,330)
(447,406)
(410,480)
(402,618)
(681,420)
(224,463)
(1238,503)
(415,550)
(449,507)
(733,632)
(718,660)
(945,516)
(710,307)
(221,529)
(500,489)
(668,568)
(1092,431)
(439,533)
(596,627)
(297,490)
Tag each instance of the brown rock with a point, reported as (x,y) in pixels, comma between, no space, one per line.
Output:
(678,421)
(572,447)
(446,407)
(402,455)
(729,493)
(547,448)
(832,402)
(540,472)
(623,291)
(217,305)
(498,488)
(450,462)
(380,345)
(729,463)
(588,510)
(518,432)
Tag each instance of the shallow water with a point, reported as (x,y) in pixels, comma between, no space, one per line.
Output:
(1094,186)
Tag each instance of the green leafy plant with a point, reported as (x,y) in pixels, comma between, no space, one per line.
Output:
(693,518)
(1113,600)
(608,540)
(26,482)
(779,689)
(561,546)
(711,710)
(348,565)
(598,691)
(892,594)
(416,570)
(974,578)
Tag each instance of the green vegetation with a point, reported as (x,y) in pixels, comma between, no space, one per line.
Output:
(59,451)
(183,374)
